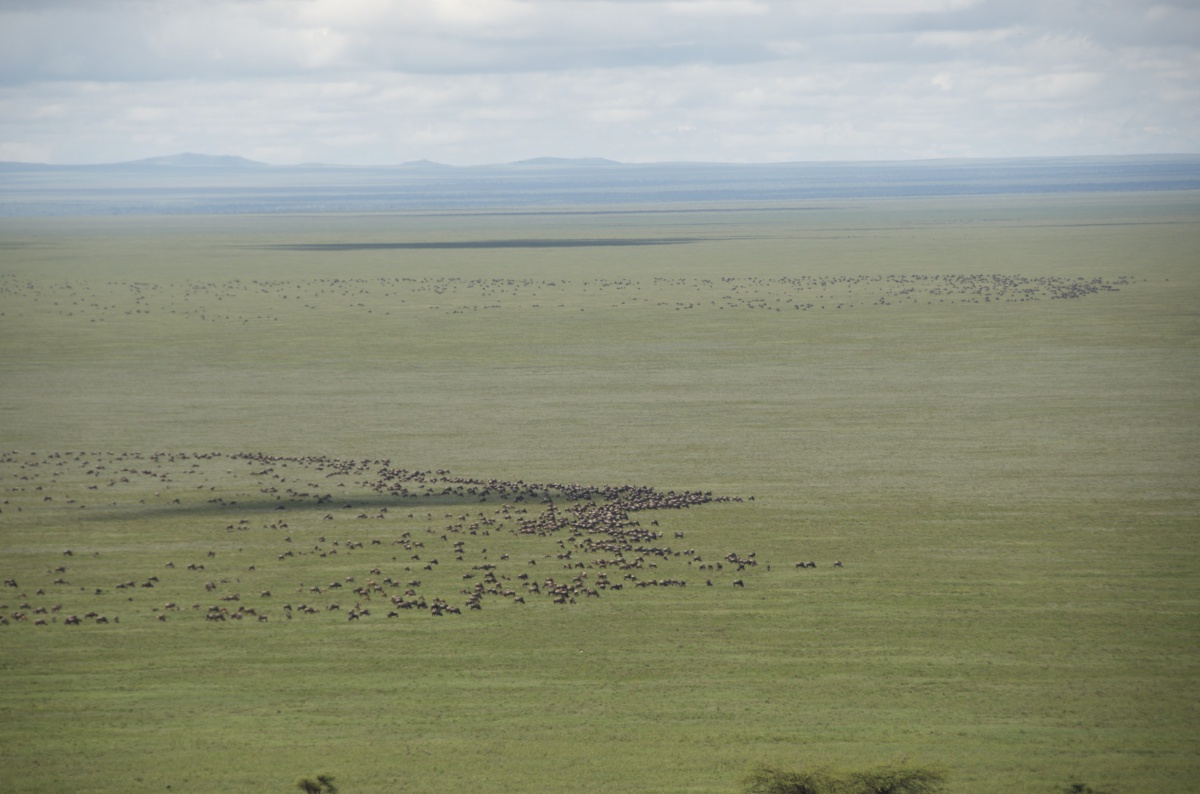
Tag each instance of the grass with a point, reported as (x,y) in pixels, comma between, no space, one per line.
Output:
(1011,487)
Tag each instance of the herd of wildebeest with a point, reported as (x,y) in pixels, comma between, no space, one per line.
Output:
(254,300)
(506,541)
(386,541)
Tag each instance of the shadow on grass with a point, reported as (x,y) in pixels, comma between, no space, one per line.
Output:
(285,505)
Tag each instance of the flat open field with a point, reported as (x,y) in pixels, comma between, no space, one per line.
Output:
(985,408)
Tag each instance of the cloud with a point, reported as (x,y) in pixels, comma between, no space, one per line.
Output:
(23,152)
(1057,89)
(493,80)
(720,8)
(135,39)
(965,40)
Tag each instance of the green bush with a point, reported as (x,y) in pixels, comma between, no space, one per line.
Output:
(767,780)
(897,777)
(322,785)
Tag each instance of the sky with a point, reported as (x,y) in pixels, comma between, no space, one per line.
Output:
(467,82)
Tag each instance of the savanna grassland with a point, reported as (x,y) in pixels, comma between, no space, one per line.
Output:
(246,441)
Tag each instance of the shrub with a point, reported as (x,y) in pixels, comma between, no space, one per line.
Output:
(323,783)
(898,777)
(767,780)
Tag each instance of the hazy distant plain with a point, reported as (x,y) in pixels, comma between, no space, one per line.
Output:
(199,184)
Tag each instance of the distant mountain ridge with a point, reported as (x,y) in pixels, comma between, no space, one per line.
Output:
(211,184)
(566,161)
(194,160)
(219,161)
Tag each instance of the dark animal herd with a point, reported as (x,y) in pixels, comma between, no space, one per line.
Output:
(256,301)
(558,542)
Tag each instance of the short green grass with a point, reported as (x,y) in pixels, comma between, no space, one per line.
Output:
(1010,485)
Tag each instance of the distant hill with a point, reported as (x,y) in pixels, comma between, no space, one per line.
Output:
(425,164)
(566,161)
(192,160)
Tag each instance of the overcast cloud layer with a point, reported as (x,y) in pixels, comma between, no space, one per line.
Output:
(482,81)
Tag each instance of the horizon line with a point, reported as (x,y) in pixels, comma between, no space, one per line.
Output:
(200,161)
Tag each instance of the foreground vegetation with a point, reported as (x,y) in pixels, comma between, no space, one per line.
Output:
(898,777)
(984,410)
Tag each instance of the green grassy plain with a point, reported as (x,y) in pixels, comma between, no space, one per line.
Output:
(1008,475)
